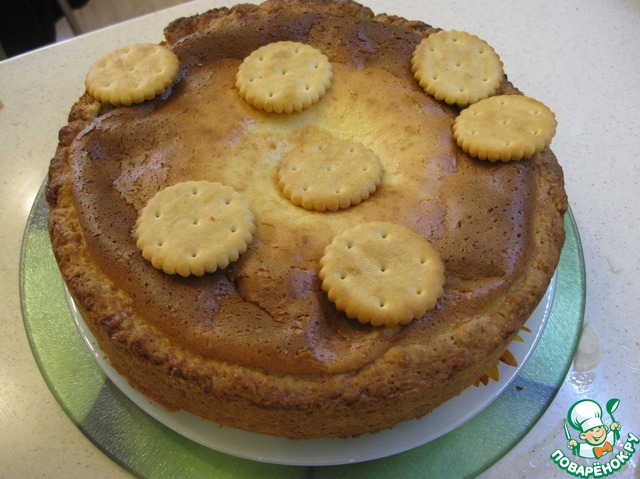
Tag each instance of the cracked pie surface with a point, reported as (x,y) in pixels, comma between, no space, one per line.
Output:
(256,340)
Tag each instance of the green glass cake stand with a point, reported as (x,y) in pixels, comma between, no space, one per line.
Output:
(126,431)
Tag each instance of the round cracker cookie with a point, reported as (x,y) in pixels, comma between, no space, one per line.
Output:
(195,227)
(329,174)
(505,128)
(283,77)
(132,74)
(382,273)
(457,67)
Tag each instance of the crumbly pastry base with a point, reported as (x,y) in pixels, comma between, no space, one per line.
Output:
(405,377)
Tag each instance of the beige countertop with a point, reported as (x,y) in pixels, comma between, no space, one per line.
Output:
(579,58)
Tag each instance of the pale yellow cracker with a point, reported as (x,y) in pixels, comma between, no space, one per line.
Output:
(284,77)
(382,273)
(457,67)
(132,74)
(194,227)
(505,128)
(329,174)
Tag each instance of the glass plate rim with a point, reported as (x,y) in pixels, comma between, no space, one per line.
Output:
(577,257)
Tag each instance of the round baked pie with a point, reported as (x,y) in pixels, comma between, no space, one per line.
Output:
(258,344)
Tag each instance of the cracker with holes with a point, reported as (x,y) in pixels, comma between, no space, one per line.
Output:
(132,74)
(382,273)
(329,174)
(505,128)
(457,67)
(195,227)
(284,77)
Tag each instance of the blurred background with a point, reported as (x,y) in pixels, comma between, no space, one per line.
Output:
(26,25)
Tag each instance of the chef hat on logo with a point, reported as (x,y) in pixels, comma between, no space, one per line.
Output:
(585,415)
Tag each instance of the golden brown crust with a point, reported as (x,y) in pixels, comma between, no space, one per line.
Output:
(297,398)
(239,14)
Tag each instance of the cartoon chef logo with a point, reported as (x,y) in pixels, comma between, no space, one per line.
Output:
(596,439)
(598,447)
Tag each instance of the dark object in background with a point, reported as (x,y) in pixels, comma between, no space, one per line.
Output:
(29,24)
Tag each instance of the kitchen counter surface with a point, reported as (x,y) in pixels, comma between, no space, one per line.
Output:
(580,59)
